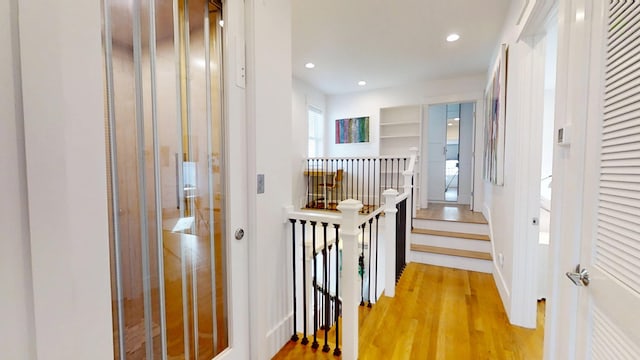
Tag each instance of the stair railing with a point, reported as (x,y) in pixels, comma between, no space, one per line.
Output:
(330,180)
(337,254)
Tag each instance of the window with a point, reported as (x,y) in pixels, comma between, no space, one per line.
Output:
(314,116)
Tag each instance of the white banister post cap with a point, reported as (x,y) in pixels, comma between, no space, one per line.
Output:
(407,173)
(350,205)
(390,192)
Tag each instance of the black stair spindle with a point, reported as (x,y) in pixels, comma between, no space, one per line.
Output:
(325,283)
(315,344)
(368,184)
(337,351)
(294,337)
(398,175)
(308,205)
(361,266)
(357,179)
(305,313)
(375,190)
(375,292)
(369,275)
(362,196)
(386,161)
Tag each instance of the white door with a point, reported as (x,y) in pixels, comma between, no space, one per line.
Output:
(178,179)
(436,151)
(608,322)
(465,165)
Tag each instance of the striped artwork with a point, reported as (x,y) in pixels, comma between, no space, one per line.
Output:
(352,130)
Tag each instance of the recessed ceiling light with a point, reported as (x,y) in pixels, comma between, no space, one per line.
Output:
(456,119)
(221,22)
(449,124)
(309,65)
(362,83)
(453,37)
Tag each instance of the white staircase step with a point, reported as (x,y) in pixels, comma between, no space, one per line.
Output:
(452,240)
(452,261)
(451,226)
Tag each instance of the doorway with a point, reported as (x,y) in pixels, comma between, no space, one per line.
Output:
(449,145)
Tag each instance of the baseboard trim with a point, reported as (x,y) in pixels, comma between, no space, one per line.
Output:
(278,337)
(498,278)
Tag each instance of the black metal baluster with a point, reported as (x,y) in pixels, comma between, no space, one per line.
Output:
(369,275)
(325,282)
(398,175)
(308,204)
(343,174)
(325,174)
(294,337)
(393,161)
(315,344)
(386,161)
(368,185)
(330,198)
(362,196)
(375,190)
(361,266)
(305,313)
(337,351)
(357,179)
(329,317)
(375,292)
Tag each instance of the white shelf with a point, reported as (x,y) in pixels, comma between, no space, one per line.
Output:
(400,123)
(398,136)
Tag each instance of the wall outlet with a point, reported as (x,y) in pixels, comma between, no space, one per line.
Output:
(501,260)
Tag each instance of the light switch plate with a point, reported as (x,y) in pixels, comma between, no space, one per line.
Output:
(260,183)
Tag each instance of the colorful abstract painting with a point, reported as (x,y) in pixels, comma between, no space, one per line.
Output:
(494,130)
(352,130)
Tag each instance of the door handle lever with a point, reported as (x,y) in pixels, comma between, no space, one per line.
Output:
(579,277)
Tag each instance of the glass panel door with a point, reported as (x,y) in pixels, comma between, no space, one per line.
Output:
(164,95)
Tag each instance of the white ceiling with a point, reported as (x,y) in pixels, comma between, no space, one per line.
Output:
(393,42)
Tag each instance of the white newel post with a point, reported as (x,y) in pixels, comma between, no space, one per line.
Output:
(408,175)
(350,277)
(390,241)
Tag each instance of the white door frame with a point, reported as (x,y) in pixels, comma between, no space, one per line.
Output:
(476,190)
(572,91)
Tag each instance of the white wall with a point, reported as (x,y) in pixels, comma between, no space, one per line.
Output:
(304,95)
(63,97)
(269,117)
(514,237)
(369,103)
(17,332)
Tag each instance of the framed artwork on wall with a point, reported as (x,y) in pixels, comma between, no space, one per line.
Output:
(352,130)
(495,120)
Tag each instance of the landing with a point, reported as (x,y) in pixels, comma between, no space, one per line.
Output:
(450,212)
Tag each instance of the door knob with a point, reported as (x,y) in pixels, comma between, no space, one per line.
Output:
(239,234)
(580,277)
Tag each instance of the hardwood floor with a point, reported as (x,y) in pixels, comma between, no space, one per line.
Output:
(438,313)
(450,212)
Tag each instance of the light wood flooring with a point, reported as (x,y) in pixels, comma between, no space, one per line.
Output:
(438,313)
(450,212)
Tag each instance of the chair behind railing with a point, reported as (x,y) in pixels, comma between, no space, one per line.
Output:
(331,180)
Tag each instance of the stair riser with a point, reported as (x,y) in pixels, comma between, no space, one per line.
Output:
(455,262)
(451,242)
(482,229)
